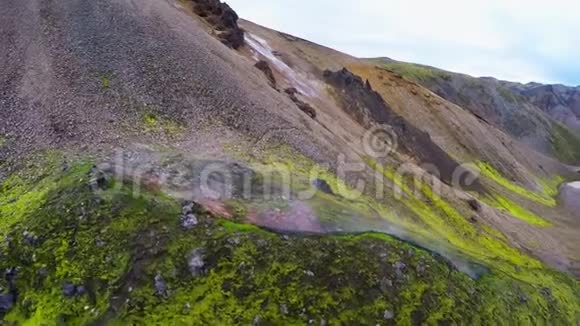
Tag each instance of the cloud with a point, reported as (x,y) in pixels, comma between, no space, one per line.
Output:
(517,40)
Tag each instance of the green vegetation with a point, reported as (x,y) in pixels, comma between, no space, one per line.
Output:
(2,141)
(416,73)
(158,124)
(482,244)
(515,210)
(105,81)
(508,95)
(566,144)
(549,187)
(115,243)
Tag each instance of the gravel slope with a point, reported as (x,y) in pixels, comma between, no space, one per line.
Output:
(83,73)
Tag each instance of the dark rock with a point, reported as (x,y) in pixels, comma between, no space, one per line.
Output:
(81,290)
(223,19)
(235,241)
(370,110)
(187,208)
(191,207)
(293,91)
(186,309)
(42,272)
(188,221)
(98,179)
(100,242)
(388,315)
(420,268)
(386,285)
(368,85)
(305,107)
(69,289)
(284,309)
(160,286)
(265,68)
(196,263)
(7,301)
(546,292)
(474,204)
(523,298)
(30,238)
(323,186)
(309,273)
(399,269)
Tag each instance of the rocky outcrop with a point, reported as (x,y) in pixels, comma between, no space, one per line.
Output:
(522,111)
(561,102)
(264,67)
(223,19)
(9,299)
(323,186)
(369,109)
(305,107)
(188,219)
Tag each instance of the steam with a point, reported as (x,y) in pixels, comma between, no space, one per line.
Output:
(261,47)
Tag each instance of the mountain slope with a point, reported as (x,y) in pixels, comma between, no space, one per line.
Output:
(500,104)
(559,101)
(139,141)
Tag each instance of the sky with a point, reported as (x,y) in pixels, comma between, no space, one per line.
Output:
(516,40)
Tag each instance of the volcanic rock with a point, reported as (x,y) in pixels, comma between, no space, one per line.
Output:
(265,68)
(223,19)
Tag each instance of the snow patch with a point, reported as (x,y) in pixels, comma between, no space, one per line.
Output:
(261,47)
(575,185)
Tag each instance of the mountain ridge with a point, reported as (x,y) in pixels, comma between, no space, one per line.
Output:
(152,171)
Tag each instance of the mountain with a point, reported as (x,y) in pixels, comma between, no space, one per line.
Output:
(165,162)
(560,102)
(532,113)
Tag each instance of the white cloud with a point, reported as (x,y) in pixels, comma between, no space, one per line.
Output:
(517,39)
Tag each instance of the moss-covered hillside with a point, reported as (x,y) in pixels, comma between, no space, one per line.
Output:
(78,250)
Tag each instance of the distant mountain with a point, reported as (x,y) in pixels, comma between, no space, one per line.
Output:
(561,102)
(166,163)
(544,117)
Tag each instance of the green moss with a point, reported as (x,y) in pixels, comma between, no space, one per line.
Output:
(566,144)
(548,186)
(515,210)
(105,81)
(116,242)
(508,95)
(22,193)
(153,123)
(416,73)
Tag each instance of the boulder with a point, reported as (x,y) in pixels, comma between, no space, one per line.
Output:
(305,107)
(160,286)
(323,186)
(195,262)
(474,204)
(264,67)
(223,19)
(188,221)
(69,289)
(7,301)
(388,315)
